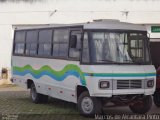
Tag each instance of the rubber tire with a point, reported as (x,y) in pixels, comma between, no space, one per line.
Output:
(39,98)
(97,105)
(147,104)
(44,98)
(156,98)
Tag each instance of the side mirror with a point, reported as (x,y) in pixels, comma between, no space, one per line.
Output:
(73,41)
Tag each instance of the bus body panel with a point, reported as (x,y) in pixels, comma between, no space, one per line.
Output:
(114,73)
(60,78)
(49,75)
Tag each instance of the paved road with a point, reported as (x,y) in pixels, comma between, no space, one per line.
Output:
(15,100)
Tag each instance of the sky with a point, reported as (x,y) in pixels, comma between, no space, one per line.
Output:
(69,11)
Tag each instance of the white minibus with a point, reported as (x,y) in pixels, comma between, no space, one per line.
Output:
(92,64)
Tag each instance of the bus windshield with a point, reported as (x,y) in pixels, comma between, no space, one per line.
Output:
(113,47)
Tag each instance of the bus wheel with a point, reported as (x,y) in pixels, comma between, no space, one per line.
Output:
(142,106)
(89,106)
(156,98)
(37,97)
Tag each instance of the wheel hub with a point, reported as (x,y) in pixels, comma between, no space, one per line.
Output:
(87,105)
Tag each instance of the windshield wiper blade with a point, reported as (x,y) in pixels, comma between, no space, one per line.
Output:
(136,62)
(108,61)
(128,61)
(140,62)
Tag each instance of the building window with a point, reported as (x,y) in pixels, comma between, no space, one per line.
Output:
(60,43)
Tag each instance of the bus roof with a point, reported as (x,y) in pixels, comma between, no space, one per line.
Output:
(96,24)
(114,25)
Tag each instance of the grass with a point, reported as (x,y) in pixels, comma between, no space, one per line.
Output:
(16,101)
(19,103)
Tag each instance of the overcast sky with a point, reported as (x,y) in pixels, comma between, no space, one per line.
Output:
(69,11)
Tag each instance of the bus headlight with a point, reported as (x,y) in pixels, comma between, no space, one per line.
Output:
(104,84)
(150,83)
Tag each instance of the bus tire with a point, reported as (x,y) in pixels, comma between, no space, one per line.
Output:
(143,106)
(37,97)
(44,98)
(156,98)
(89,106)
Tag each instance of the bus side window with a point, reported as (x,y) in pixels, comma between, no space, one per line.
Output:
(31,42)
(45,42)
(85,51)
(75,45)
(60,43)
(19,48)
(19,42)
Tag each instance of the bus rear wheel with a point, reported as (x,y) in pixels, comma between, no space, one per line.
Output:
(142,106)
(89,106)
(156,98)
(37,97)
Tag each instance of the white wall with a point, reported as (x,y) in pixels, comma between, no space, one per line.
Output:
(70,11)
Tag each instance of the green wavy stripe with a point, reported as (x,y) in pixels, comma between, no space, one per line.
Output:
(69,67)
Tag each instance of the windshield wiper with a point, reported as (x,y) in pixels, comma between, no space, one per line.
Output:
(140,62)
(136,62)
(128,61)
(108,61)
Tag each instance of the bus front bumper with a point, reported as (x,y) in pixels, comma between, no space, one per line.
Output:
(126,87)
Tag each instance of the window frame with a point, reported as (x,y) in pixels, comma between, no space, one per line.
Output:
(83,31)
(80,54)
(14,44)
(38,44)
(116,31)
(50,28)
(143,48)
(60,42)
(31,43)
(89,48)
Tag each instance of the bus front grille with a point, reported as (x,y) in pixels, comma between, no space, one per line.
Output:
(129,84)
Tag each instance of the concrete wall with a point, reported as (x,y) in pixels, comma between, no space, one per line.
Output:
(70,11)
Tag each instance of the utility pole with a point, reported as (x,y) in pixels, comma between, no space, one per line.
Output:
(125,12)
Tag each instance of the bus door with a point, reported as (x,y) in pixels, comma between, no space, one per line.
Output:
(75,44)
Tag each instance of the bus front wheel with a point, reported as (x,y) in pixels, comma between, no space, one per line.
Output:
(142,106)
(37,97)
(89,106)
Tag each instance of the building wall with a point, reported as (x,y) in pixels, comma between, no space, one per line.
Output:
(154,36)
(70,11)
